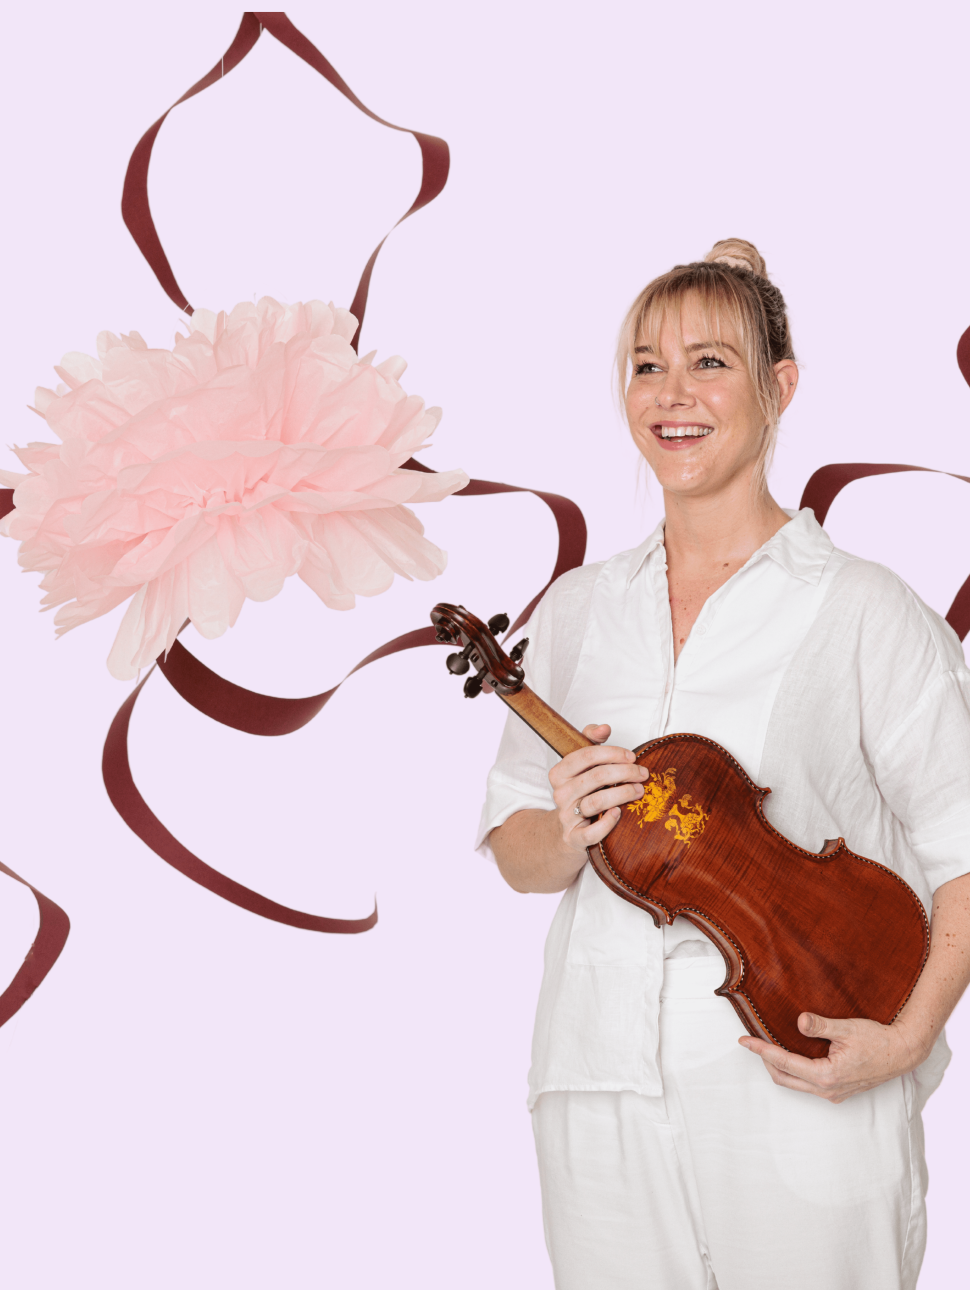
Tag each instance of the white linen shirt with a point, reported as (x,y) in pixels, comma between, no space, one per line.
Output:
(824,675)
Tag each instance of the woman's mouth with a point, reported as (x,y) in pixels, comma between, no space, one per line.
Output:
(676,435)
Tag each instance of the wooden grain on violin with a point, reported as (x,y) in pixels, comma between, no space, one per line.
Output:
(834,934)
(548,725)
(831,933)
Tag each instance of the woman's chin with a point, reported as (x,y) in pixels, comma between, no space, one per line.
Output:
(684,477)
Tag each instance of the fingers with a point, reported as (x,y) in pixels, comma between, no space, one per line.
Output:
(772,1054)
(597,800)
(583,759)
(591,782)
(805,1074)
(812,1071)
(590,778)
(588,835)
(784,1080)
(861,1056)
(824,1027)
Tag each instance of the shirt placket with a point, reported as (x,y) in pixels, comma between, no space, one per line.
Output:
(665,633)
(698,632)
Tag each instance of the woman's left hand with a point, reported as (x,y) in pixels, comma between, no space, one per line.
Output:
(862,1055)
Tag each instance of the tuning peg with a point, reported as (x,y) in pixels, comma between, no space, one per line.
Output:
(473,686)
(519,649)
(457,665)
(498,624)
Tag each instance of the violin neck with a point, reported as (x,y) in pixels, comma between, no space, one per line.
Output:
(545,721)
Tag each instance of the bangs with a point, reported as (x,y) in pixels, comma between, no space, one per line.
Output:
(662,309)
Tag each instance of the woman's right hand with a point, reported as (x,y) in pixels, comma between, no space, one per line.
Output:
(540,850)
(599,780)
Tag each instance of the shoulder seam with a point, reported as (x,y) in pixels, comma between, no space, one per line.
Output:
(913,598)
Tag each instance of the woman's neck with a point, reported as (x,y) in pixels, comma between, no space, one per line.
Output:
(705,533)
(707,540)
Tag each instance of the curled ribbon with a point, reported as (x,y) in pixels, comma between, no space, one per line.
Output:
(229,704)
(266,715)
(826,484)
(136,211)
(54,925)
(43,953)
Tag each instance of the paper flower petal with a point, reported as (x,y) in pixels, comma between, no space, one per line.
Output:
(188,480)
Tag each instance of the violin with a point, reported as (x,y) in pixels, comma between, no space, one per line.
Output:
(830,932)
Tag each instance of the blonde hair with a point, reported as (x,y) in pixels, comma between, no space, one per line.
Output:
(731,282)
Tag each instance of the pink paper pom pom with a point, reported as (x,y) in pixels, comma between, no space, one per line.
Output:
(259,446)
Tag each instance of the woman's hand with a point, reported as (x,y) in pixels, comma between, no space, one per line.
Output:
(862,1055)
(545,850)
(594,781)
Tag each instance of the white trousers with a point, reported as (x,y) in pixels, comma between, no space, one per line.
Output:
(728,1182)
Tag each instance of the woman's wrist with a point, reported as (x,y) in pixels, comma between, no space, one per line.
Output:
(569,859)
(913,1043)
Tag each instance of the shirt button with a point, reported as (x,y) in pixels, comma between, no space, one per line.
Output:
(701,631)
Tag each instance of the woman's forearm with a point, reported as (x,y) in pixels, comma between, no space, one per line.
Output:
(947,971)
(530,855)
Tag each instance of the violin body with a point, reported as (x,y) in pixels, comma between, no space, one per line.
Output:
(831,933)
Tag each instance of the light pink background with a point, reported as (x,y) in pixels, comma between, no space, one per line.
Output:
(200,1098)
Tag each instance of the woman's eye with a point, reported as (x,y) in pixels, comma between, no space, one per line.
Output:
(646,369)
(711,362)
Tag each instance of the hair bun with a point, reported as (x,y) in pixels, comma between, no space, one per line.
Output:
(739,254)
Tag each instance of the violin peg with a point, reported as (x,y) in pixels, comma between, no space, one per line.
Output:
(519,650)
(498,624)
(473,686)
(457,665)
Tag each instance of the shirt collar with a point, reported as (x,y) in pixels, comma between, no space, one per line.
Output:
(801,547)
(639,556)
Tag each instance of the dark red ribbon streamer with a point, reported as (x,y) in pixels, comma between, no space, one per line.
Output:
(264,714)
(230,704)
(135,208)
(42,955)
(139,817)
(826,484)
(261,714)
(54,923)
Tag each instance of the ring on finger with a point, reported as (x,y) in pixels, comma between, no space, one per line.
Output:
(577,811)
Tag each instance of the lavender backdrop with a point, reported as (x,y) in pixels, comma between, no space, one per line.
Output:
(198,1097)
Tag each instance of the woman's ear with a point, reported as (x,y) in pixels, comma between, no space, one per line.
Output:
(786,374)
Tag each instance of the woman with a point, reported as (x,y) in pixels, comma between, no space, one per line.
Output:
(675,1151)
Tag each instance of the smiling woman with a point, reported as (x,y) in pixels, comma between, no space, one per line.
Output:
(671,1158)
(738,322)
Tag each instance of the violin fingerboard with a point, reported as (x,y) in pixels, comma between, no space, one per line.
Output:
(548,725)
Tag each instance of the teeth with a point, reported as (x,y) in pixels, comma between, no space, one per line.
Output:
(679,432)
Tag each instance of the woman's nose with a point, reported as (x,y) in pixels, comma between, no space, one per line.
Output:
(674,393)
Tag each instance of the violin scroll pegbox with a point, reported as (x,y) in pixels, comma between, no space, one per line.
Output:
(454,625)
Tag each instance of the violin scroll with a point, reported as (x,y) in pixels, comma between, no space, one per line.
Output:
(479,649)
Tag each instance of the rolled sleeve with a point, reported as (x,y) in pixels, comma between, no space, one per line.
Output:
(519,780)
(924,776)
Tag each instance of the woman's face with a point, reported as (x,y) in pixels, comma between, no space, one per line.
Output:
(692,407)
